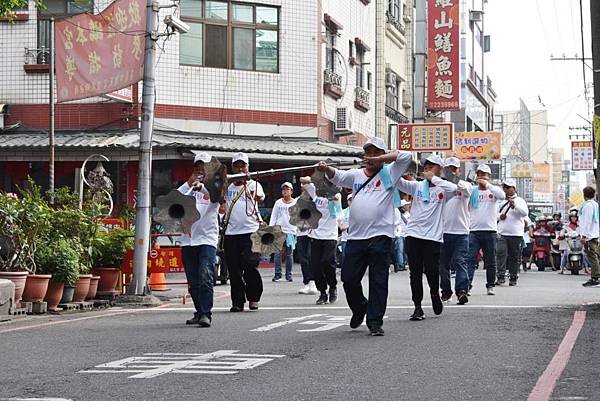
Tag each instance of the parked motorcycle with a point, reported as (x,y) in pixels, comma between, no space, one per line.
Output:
(575,253)
(542,248)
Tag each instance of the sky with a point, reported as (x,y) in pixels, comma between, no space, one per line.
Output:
(524,35)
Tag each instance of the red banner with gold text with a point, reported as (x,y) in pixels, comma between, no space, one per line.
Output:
(99,54)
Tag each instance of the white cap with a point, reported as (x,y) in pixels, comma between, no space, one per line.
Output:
(484,168)
(202,157)
(404,203)
(509,182)
(350,196)
(240,156)
(287,184)
(377,142)
(435,159)
(452,161)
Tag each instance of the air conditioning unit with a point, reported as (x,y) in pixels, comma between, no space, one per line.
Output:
(342,119)
(475,16)
(390,79)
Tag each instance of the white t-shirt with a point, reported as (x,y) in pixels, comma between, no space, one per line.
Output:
(456,212)
(397,223)
(281,216)
(328,224)
(343,223)
(205,231)
(588,228)
(526,236)
(426,219)
(484,217)
(244,214)
(404,218)
(513,225)
(372,211)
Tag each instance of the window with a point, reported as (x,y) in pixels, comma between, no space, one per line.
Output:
(225,34)
(360,73)
(57,9)
(395,9)
(391,96)
(330,49)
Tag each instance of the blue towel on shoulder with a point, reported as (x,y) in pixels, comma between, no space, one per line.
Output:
(386,179)
(474,201)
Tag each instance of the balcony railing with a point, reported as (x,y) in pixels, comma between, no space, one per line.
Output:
(37,56)
(395,115)
(332,84)
(391,19)
(361,100)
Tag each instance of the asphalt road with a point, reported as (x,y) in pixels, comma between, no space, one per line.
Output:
(494,348)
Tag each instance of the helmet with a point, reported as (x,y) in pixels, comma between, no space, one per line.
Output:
(540,219)
(573,211)
(556,214)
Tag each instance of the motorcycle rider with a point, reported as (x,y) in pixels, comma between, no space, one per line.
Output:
(568,228)
(541,224)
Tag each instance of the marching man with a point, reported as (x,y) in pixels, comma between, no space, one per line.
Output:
(281,216)
(371,229)
(199,248)
(241,221)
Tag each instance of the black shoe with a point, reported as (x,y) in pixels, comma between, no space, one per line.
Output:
(322,299)
(236,308)
(462,298)
(192,321)
(376,330)
(332,295)
(253,305)
(417,314)
(593,282)
(500,281)
(204,321)
(357,318)
(437,304)
(446,296)
(512,282)
(276,279)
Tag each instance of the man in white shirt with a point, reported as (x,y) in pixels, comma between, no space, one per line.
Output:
(425,232)
(589,231)
(242,220)
(511,220)
(371,229)
(199,247)
(281,216)
(323,243)
(398,245)
(483,233)
(456,238)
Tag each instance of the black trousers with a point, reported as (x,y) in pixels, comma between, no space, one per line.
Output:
(423,257)
(242,263)
(322,259)
(303,253)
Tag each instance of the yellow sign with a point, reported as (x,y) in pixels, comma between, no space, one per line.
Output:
(541,178)
(576,198)
(477,145)
(522,170)
(597,133)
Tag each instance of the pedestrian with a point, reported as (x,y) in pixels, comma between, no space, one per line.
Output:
(199,245)
(511,220)
(484,226)
(281,216)
(527,242)
(589,231)
(343,226)
(323,243)
(455,249)
(398,247)
(242,220)
(425,232)
(303,253)
(371,229)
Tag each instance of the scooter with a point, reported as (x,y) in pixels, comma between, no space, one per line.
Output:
(541,249)
(556,254)
(575,253)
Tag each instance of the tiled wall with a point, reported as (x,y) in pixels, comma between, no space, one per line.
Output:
(358,20)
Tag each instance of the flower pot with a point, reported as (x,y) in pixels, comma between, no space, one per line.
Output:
(67,294)
(93,288)
(54,294)
(82,287)
(19,279)
(109,277)
(36,287)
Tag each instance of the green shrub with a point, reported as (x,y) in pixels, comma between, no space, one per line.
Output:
(60,258)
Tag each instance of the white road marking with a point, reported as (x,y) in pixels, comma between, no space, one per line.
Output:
(224,362)
(35,399)
(285,322)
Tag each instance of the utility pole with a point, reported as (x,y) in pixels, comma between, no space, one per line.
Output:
(51,102)
(142,217)
(595,23)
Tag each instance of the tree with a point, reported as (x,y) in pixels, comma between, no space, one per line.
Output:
(8,7)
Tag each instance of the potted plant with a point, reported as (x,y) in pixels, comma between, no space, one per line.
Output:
(22,223)
(60,259)
(108,251)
